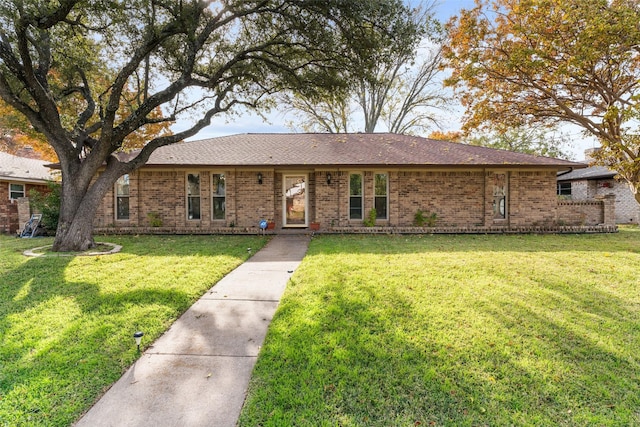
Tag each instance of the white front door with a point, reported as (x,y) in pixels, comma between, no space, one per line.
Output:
(295,200)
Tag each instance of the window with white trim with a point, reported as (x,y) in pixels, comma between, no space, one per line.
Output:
(122,197)
(355,196)
(381,194)
(193,196)
(219,196)
(564,188)
(16,191)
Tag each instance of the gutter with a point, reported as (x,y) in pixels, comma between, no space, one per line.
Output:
(564,173)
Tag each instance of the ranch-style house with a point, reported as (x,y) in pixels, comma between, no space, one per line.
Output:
(342,182)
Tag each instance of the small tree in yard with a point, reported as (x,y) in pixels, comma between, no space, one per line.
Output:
(90,74)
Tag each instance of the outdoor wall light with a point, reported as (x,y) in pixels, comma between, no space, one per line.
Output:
(138,336)
(328,178)
(259,177)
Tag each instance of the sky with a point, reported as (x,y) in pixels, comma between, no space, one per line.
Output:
(252,123)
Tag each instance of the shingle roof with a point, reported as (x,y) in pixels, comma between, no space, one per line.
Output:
(16,168)
(377,149)
(593,172)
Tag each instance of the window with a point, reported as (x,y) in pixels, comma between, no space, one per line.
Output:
(564,189)
(218,190)
(355,196)
(16,191)
(193,196)
(122,197)
(500,196)
(381,195)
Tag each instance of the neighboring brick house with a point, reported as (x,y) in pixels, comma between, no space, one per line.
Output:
(229,184)
(18,176)
(598,181)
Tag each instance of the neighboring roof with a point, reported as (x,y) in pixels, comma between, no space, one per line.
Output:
(593,172)
(373,149)
(14,168)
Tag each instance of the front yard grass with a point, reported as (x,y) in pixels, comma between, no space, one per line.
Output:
(455,330)
(67,323)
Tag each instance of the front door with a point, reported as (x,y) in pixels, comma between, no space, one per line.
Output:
(295,200)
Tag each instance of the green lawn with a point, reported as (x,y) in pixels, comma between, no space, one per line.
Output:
(372,330)
(67,323)
(456,330)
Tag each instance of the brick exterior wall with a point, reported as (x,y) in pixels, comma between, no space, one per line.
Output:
(458,198)
(327,197)
(10,223)
(627,208)
(8,217)
(580,212)
(533,199)
(164,195)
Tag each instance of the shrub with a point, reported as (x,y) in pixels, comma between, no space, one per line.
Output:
(48,204)
(154,219)
(422,219)
(370,221)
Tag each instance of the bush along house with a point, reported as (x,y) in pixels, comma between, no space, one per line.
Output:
(343,183)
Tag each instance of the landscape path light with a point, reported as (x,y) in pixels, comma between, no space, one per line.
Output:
(138,336)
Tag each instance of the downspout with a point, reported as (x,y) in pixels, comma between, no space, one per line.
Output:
(138,204)
(235,197)
(484,196)
(339,192)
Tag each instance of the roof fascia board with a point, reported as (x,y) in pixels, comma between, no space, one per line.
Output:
(353,166)
(24,180)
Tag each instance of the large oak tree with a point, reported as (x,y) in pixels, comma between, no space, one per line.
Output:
(518,62)
(115,64)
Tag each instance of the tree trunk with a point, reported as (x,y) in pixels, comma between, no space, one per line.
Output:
(74,236)
(78,206)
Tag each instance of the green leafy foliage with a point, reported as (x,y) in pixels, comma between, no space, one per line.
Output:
(47,203)
(422,219)
(155,220)
(370,220)
(400,92)
(553,61)
(529,140)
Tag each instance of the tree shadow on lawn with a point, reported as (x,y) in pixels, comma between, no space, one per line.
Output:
(350,357)
(62,340)
(187,245)
(581,368)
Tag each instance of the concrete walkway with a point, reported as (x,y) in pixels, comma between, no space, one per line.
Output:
(197,373)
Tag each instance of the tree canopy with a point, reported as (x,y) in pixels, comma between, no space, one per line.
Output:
(16,134)
(519,62)
(90,74)
(529,140)
(401,92)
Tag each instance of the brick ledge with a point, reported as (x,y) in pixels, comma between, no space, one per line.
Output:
(366,230)
(479,230)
